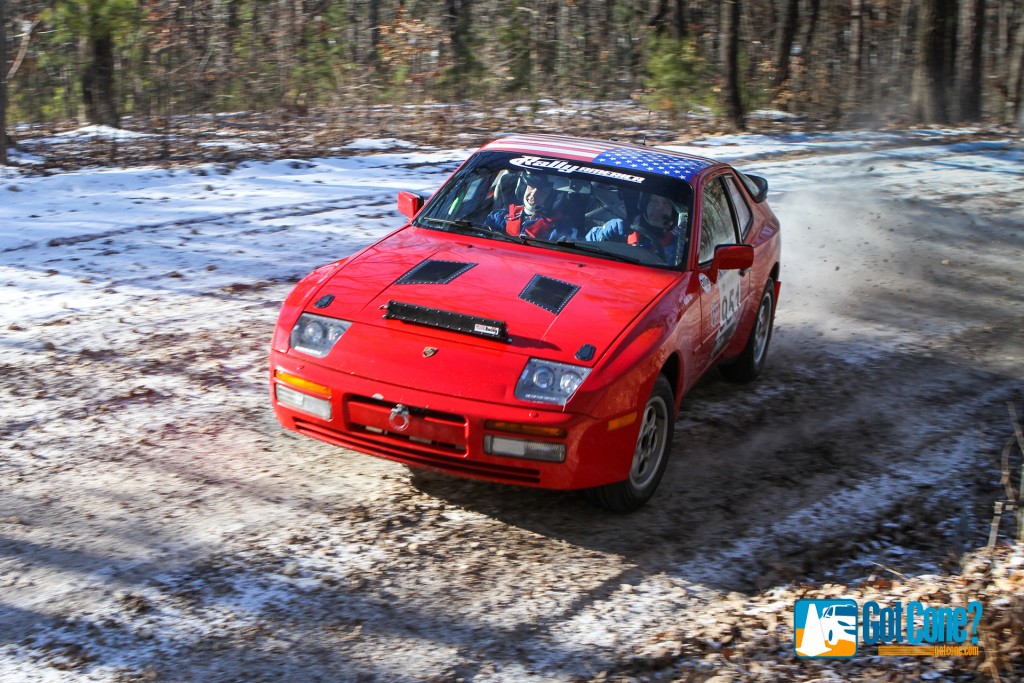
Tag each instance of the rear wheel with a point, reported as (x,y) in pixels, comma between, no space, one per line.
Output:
(650,457)
(749,363)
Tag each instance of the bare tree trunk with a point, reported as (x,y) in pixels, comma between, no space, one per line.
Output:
(3,82)
(98,81)
(784,43)
(834,69)
(588,51)
(970,33)
(670,16)
(801,73)
(459,20)
(1015,77)
(374,21)
(352,36)
(928,103)
(565,48)
(812,25)
(903,50)
(730,63)
(660,19)
(855,89)
(604,37)
(679,29)
(546,48)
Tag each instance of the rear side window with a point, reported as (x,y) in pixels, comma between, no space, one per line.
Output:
(739,204)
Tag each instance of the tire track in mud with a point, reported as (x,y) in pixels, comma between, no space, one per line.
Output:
(745,501)
(298,209)
(138,362)
(823,461)
(373,557)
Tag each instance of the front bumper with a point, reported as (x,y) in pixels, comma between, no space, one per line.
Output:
(447,433)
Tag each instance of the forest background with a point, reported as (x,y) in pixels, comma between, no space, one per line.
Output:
(156,64)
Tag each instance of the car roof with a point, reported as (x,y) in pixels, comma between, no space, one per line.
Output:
(607,153)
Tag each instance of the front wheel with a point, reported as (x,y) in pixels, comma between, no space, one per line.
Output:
(749,363)
(650,457)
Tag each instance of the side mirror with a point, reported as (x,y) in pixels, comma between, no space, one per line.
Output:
(732,257)
(409,203)
(756,185)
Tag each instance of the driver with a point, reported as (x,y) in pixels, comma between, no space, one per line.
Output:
(533,217)
(654,229)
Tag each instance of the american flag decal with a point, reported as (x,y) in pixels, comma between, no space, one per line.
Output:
(609,154)
(552,145)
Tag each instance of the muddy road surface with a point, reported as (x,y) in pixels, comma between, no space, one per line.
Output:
(156,524)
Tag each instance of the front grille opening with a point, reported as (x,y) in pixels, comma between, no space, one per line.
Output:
(456,449)
(417,455)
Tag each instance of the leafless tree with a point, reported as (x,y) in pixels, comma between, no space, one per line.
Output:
(910,60)
(730,63)
(3,82)
(669,15)
(970,35)
(928,95)
(785,35)
(855,88)
(1014,89)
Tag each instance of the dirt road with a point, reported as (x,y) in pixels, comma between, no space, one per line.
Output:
(157,524)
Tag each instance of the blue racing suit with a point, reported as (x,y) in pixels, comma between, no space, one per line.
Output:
(616,230)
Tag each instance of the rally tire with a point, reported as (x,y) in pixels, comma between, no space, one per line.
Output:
(748,365)
(650,455)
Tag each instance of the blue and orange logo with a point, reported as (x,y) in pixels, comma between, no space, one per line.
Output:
(825,628)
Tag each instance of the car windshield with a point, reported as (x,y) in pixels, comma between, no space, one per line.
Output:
(567,205)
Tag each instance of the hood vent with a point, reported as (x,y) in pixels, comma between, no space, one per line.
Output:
(548,293)
(447,320)
(434,272)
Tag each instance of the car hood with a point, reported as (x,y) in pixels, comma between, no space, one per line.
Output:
(552,303)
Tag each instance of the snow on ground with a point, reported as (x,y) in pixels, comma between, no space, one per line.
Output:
(307,200)
(156,525)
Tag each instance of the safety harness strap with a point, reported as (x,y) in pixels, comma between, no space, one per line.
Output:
(514,224)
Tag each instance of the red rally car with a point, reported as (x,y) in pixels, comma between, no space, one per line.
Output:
(539,319)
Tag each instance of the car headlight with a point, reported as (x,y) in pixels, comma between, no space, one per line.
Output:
(317,334)
(549,382)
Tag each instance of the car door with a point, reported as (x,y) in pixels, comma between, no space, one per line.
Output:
(723,294)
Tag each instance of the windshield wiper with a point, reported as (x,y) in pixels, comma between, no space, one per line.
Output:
(466,226)
(462,225)
(591,249)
